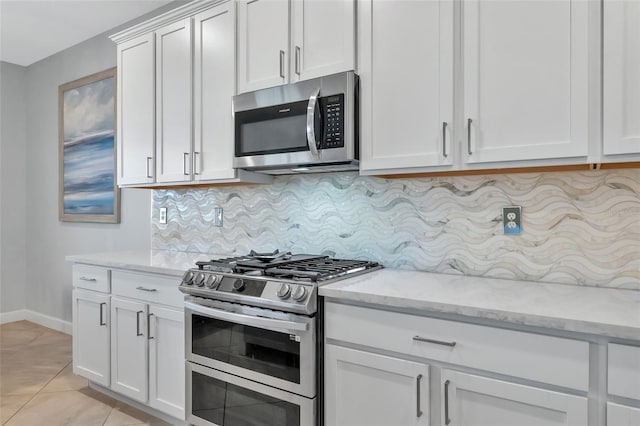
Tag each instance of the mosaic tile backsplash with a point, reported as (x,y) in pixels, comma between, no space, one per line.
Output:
(577,228)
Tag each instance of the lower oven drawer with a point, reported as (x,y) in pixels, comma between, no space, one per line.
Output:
(221,399)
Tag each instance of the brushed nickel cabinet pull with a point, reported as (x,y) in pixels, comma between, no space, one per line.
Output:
(469,121)
(447,420)
(418,411)
(138,332)
(149,168)
(282,63)
(298,60)
(88,279)
(146,289)
(102,321)
(184,164)
(444,139)
(196,155)
(437,342)
(149,336)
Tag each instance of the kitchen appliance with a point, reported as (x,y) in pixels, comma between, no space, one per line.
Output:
(308,126)
(254,337)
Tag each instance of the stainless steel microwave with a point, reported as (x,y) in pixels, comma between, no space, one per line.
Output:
(309,126)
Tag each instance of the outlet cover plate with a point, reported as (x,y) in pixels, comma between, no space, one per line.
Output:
(163,215)
(512,220)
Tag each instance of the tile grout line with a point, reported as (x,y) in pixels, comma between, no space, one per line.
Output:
(37,392)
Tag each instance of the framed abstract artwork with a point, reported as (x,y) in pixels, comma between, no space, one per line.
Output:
(87,149)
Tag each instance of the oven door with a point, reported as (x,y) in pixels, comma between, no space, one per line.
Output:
(221,399)
(274,348)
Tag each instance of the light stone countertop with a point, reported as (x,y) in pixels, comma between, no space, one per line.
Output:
(601,311)
(154,261)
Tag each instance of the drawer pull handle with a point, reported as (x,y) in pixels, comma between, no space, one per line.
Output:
(447,419)
(418,410)
(88,279)
(437,342)
(138,332)
(444,139)
(146,289)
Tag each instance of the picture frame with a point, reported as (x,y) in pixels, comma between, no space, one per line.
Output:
(88,191)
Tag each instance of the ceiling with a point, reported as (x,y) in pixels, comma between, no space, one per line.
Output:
(33,30)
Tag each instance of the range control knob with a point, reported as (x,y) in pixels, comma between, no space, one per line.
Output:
(188,278)
(299,293)
(238,285)
(210,281)
(199,279)
(284,291)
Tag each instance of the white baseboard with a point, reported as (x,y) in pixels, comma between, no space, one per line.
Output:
(38,318)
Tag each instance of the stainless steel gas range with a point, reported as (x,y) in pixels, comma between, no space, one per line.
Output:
(254,337)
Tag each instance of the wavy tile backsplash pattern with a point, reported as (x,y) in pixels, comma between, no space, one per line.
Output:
(578,227)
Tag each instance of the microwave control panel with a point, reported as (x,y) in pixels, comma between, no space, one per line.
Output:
(333,113)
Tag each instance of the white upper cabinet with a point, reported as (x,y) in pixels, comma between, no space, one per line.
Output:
(405,63)
(621,68)
(323,38)
(526,89)
(282,41)
(263,40)
(213,90)
(173,102)
(136,113)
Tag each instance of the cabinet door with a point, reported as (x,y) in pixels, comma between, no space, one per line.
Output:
(473,400)
(406,68)
(621,94)
(214,89)
(173,102)
(622,415)
(365,389)
(263,40)
(166,360)
(323,38)
(91,336)
(136,110)
(525,80)
(129,372)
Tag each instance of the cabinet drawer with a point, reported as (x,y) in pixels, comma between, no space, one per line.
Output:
(147,287)
(91,278)
(554,360)
(624,371)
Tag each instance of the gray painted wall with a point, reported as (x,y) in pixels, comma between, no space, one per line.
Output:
(13,138)
(48,240)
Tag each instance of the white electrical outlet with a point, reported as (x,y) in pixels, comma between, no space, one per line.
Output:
(163,215)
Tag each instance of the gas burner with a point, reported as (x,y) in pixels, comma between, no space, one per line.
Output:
(282,281)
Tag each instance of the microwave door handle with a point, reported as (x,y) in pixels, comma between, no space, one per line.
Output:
(260,322)
(311,131)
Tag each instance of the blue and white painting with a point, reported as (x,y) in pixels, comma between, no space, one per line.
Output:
(89,149)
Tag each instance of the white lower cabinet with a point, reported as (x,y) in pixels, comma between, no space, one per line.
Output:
(147,354)
(470,400)
(622,415)
(128,335)
(91,336)
(166,360)
(129,373)
(366,389)
(480,375)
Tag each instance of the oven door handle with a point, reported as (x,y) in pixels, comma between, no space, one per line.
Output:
(260,322)
(311,127)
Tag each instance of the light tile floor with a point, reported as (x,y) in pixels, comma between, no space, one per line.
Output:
(38,387)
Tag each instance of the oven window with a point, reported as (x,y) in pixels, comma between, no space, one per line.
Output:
(225,404)
(264,351)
